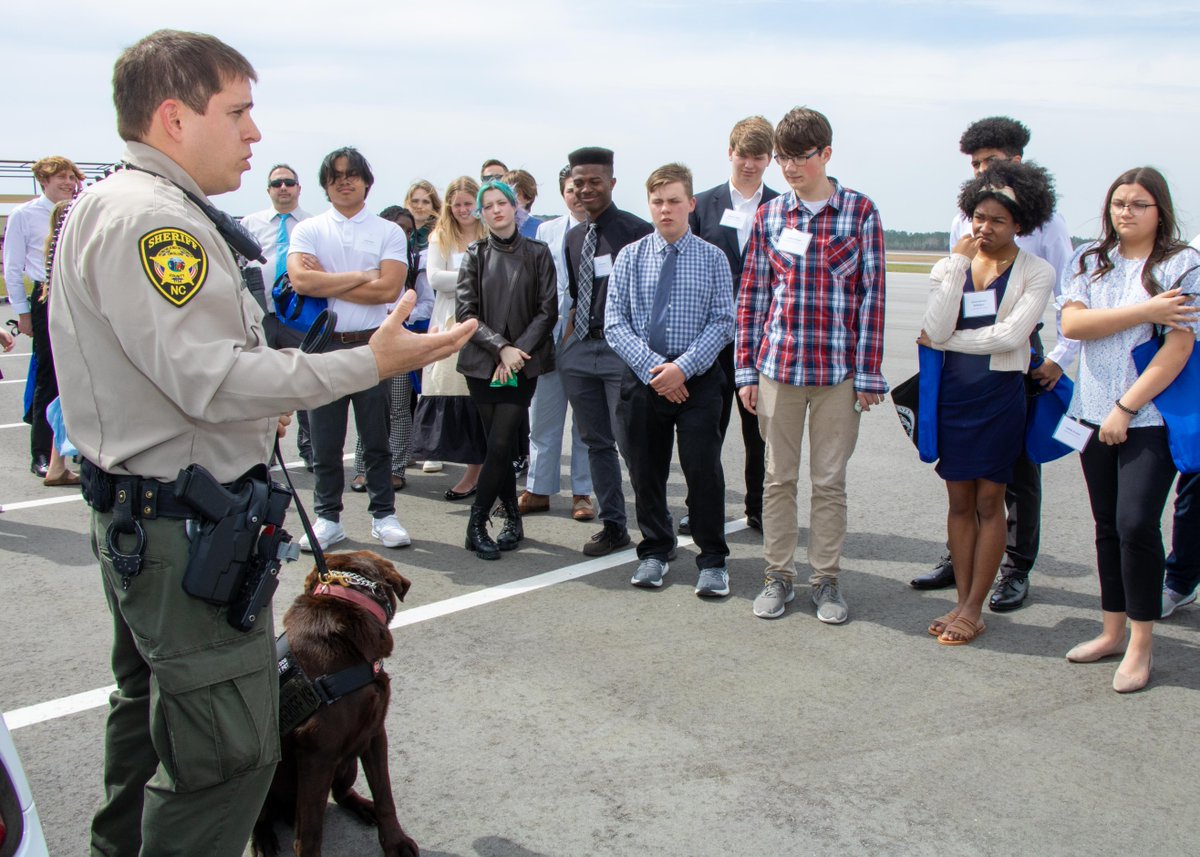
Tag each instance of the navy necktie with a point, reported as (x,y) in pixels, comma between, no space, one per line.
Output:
(587,273)
(662,298)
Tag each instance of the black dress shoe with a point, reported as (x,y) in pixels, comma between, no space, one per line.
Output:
(1010,594)
(685,525)
(40,466)
(754,521)
(942,576)
(451,494)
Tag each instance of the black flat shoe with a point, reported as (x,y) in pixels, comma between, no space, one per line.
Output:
(754,522)
(942,576)
(1010,593)
(452,495)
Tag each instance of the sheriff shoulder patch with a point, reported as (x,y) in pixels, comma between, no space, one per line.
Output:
(175,263)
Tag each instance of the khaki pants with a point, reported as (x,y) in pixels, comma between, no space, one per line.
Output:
(192,736)
(832,434)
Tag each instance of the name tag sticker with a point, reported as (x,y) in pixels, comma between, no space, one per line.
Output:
(734,219)
(456,259)
(603,265)
(793,241)
(1073,434)
(976,304)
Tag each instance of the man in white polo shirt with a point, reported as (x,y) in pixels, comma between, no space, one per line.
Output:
(357,261)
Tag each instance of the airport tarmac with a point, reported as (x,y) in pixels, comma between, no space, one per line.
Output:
(543,707)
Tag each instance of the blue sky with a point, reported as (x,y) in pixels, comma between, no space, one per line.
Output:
(429,91)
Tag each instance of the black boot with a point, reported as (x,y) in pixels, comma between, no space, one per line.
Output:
(478,539)
(513,532)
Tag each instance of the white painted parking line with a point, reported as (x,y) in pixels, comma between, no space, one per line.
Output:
(14,381)
(55,708)
(14,425)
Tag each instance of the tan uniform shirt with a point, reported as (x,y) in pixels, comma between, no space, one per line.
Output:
(160,352)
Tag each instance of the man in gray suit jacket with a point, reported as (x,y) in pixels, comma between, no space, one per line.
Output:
(723,216)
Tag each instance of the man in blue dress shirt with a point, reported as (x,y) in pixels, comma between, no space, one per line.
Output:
(669,314)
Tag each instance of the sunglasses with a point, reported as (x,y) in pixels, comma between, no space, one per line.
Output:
(282,183)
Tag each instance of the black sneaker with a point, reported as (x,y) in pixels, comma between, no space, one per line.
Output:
(606,541)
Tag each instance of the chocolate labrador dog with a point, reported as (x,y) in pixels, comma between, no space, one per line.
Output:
(339,626)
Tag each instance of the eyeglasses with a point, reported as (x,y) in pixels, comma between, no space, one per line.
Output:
(278,183)
(798,160)
(1131,207)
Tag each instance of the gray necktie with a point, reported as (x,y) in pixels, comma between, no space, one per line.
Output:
(587,273)
(662,297)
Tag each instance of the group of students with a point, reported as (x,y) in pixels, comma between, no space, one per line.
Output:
(1133,285)
(773,303)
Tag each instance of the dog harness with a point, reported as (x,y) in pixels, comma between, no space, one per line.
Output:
(300,696)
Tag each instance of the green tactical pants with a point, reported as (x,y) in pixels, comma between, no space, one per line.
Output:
(192,736)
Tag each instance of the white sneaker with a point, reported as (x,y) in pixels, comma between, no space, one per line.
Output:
(431,467)
(389,531)
(328,533)
(1172,600)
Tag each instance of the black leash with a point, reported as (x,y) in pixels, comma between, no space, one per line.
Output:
(315,340)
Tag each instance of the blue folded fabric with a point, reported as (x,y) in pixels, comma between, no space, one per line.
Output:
(930,361)
(1178,405)
(1045,413)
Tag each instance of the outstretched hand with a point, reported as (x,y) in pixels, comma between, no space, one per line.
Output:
(398,350)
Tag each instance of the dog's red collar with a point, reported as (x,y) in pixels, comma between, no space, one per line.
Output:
(346,593)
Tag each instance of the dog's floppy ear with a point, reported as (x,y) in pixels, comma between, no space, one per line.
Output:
(399,583)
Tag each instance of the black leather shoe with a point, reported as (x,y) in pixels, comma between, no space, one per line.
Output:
(754,521)
(40,466)
(942,576)
(606,541)
(1010,593)
(685,525)
(453,495)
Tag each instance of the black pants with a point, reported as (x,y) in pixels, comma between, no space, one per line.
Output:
(1023,497)
(752,440)
(45,383)
(327,429)
(505,415)
(1183,565)
(651,424)
(1128,486)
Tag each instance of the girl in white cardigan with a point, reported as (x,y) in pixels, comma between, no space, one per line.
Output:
(986,301)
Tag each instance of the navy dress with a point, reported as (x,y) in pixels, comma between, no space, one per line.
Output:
(981,413)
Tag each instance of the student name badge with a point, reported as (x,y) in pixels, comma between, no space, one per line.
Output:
(976,304)
(734,219)
(456,259)
(793,241)
(1073,434)
(603,265)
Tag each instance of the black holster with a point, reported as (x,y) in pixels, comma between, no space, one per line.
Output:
(238,541)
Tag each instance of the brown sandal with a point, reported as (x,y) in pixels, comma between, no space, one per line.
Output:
(966,630)
(69,477)
(943,621)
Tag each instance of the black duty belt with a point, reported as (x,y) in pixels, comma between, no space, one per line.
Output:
(146,498)
(354,337)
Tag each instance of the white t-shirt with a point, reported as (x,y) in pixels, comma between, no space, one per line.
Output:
(359,243)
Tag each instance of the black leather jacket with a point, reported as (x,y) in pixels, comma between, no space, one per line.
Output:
(511,289)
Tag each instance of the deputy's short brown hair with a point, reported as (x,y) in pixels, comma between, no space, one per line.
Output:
(751,137)
(667,174)
(47,168)
(802,129)
(190,67)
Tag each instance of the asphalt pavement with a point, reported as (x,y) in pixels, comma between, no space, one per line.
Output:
(543,707)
